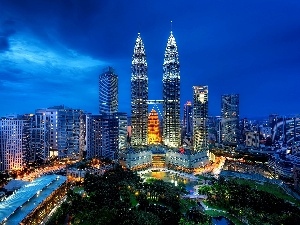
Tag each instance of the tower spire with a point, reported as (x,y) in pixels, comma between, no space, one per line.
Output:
(171,27)
(139,94)
(171,94)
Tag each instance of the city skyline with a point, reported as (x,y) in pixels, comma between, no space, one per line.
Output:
(49,57)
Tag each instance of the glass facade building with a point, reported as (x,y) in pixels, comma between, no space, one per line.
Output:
(102,135)
(139,94)
(188,119)
(230,119)
(39,133)
(171,94)
(200,116)
(108,91)
(64,130)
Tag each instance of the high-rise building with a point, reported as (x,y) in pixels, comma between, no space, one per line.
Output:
(139,94)
(286,129)
(64,131)
(154,136)
(108,91)
(188,118)
(102,135)
(171,94)
(200,116)
(230,119)
(38,139)
(122,129)
(13,143)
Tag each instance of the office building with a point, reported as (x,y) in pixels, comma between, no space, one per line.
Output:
(200,117)
(230,119)
(139,94)
(171,95)
(38,125)
(64,131)
(105,135)
(108,91)
(188,119)
(286,129)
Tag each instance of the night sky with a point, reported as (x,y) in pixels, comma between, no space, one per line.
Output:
(52,51)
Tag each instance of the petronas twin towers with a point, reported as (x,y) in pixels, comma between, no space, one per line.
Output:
(171,94)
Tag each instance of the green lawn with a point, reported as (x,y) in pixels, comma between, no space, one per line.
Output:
(270,188)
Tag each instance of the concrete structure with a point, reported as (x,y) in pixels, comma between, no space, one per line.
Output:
(252,139)
(171,95)
(200,117)
(296,175)
(161,157)
(108,91)
(136,158)
(283,163)
(139,94)
(286,129)
(187,159)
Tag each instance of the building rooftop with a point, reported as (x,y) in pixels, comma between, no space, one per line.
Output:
(18,205)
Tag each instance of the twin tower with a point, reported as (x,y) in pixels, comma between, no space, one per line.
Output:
(171,95)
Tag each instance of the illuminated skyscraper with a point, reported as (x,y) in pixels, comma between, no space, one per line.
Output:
(139,94)
(171,95)
(200,115)
(230,119)
(108,91)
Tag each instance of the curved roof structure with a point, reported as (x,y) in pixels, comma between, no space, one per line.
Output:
(27,198)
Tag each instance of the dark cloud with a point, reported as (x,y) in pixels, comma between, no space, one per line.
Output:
(246,47)
(6,30)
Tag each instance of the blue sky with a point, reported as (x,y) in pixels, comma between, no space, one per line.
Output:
(52,51)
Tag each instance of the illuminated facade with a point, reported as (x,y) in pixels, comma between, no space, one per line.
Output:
(139,94)
(12,144)
(154,136)
(171,95)
(108,91)
(200,116)
(64,133)
(230,119)
(38,139)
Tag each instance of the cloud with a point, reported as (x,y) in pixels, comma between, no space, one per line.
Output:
(6,31)
(32,70)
